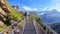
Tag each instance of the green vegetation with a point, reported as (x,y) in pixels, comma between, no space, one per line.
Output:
(39,21)
(33,16)
(13,13)
(3,26)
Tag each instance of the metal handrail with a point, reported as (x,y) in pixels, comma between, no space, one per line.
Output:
(8,27)
(38,27)
(51,31)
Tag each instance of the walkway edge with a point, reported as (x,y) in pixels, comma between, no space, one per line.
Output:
(37,28)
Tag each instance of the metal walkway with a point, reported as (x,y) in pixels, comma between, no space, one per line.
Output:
(29,28)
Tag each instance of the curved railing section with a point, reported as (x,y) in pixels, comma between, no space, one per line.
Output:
(45,28)
(15,28)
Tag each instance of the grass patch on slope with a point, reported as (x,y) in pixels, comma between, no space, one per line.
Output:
(33,16)
(13,13)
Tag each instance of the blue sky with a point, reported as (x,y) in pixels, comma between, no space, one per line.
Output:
(36,5)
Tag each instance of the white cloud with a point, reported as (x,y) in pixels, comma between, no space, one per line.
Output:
(42,13)
(35,9)
(26,8)
(55,4)
(57,7)
(29,9)
(45,8)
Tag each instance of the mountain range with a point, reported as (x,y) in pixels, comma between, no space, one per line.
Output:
(56,27)
(49,17)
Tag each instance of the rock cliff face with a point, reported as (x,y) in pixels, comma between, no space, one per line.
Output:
(8,13)
(2,16)
(2,12)
(3,5)
(1,23)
